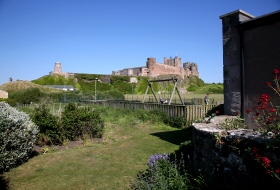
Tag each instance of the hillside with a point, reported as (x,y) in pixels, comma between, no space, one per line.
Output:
(23,85)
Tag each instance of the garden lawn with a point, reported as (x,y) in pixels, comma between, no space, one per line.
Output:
(112,164)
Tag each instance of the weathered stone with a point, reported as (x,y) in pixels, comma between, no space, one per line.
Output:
(215,159)
(3,94)
(170,66)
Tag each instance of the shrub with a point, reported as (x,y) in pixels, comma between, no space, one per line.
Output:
(192,88)
(50,131)
(177,122)
(163,173)
(111,95)
(11,102)
(27,96)
(17,136)
(123,86)
(80,121)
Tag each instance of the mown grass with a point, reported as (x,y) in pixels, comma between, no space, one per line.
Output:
(127,144)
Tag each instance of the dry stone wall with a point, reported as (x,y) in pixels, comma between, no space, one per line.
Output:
(235,157)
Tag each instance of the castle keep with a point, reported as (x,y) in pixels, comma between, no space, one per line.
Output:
(153,68)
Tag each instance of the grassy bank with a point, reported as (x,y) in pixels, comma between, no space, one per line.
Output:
(110,164)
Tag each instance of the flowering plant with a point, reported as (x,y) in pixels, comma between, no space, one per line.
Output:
(267,115)
(266,163)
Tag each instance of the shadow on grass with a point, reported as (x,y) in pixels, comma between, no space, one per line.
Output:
(175,137)
(4,183)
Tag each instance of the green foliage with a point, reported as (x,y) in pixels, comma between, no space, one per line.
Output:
(210,89)
(86,82)
(231,124)
(194,80)
(111,95)
(11,102)
(115,78)
(79,121)
(176,122)
(17,136)
(122,86)
(49,126)
(192,88)
(27,96)
(54,80)
(163,173)
(88,77)
(217,89)
(142,86)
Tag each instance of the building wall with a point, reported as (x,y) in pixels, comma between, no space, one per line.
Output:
(251,52)
(261,56)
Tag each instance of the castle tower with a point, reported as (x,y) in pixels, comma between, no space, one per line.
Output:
(150,61)
(178,62)
(165,61)
(57,67)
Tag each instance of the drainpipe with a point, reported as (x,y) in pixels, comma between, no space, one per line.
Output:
(242,72)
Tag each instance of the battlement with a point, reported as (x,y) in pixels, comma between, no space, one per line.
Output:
(169,66)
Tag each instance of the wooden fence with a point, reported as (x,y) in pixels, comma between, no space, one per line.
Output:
(190,112)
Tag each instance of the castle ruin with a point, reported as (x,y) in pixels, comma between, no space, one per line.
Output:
(58,70)
(153,69)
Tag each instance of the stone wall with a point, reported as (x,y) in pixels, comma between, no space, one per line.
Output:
(156,69)
(171,66)
(229,156)
(3,94)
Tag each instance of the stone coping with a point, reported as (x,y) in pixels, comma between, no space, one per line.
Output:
(212,128)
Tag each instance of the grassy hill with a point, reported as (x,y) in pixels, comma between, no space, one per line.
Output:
(210,89)
(85,83)
(16,86)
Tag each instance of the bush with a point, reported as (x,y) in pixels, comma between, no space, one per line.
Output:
(27,96)
(50,131)
(17,136)
(11,102)
(177,122)
(192,88)
(123,86)
(111,95)
(80,121)
(163,173)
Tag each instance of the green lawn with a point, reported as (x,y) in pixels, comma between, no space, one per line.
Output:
(109,165)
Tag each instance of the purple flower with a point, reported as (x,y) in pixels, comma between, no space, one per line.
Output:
(152,161)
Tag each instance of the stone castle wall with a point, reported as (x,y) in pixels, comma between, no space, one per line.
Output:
(169,66)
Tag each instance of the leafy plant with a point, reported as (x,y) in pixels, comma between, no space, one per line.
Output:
(27,96)
(233,123)
(49,126)
(17,136)
(11,102)
(163,173)
(267,114)
(78,121)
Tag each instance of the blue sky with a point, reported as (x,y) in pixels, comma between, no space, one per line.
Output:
(101,36)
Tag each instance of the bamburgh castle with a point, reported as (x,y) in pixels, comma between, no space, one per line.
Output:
(153,68)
